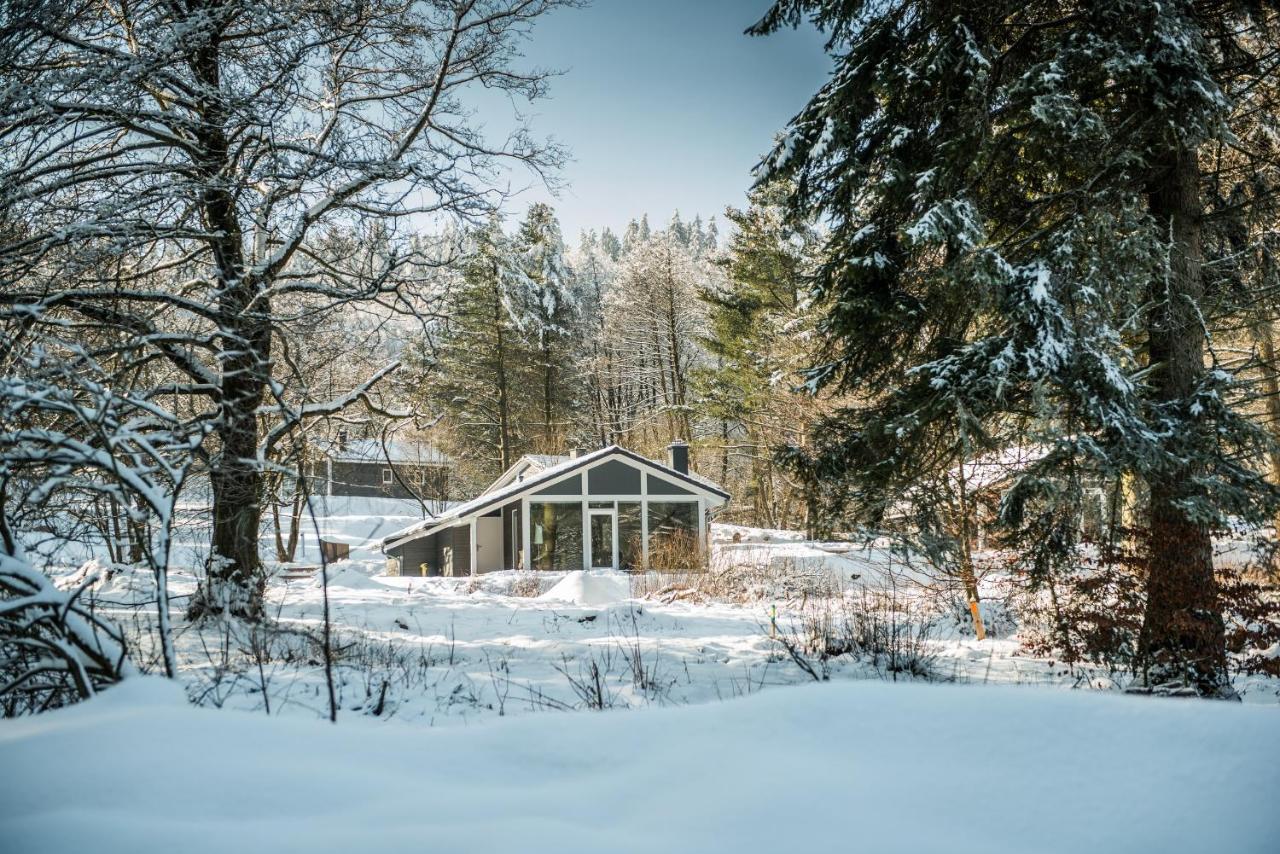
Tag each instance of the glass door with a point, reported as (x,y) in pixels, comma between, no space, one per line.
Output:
(603,553)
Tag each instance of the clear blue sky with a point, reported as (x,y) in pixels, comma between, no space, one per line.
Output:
(664,104)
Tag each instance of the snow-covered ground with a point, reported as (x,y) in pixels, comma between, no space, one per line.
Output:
(858,766)
(449,651)
(723,757)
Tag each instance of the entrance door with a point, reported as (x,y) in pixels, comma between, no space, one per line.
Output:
(488,544)
(603,539)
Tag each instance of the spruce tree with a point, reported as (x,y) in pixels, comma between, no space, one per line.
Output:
(759,323)
(1018,253)
(477,375)
(547,308)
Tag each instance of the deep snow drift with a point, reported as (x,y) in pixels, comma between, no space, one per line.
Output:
(861,766)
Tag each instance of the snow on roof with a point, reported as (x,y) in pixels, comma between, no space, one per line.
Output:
(395,451)
(566,464)
(546,461)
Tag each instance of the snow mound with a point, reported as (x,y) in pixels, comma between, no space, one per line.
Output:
(144,691)
(595,588)
(348,575)
(681,778)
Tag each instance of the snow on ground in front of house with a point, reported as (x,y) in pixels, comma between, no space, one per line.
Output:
(863,766)
(452,651)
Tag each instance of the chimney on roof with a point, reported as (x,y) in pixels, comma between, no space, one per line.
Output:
(575,452)
(342,439)
(678,456)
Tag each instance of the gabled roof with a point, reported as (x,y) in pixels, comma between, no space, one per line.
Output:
(527,464)
(501,494)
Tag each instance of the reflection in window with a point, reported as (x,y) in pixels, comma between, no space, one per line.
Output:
(630,535)
(555,533)
(673,535)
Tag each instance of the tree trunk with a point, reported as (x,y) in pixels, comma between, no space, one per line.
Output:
(1182,640)
(233,580)
(1264,334)
(547,394)
(504,404)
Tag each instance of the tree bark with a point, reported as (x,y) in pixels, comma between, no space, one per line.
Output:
(504,401)
(1263,333)
(233,580)
(1182,643)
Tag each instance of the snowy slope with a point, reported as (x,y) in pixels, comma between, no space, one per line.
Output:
(858,766)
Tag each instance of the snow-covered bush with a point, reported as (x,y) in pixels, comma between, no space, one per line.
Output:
(890,633)
(742,582)
(54,650)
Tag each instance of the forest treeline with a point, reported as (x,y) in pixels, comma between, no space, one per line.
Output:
(635,339)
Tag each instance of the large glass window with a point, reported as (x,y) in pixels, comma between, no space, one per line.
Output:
(555,535)
(673,535)
(630,535)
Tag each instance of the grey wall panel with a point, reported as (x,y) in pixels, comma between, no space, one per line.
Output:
(511,537)
(418,557)
(365,480)
(662,486)
(614,478)
(568,486)
(460,537)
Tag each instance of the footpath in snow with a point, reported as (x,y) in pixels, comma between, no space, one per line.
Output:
(862,766)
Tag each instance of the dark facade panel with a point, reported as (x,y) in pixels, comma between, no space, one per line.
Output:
(418,557)
(367,480)
(512,539)
(568,486)
(458,542)
(614,478)
(662,486)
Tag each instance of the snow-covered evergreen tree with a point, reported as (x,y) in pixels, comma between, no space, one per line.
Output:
(1018,245)
(547,309)
(477,371)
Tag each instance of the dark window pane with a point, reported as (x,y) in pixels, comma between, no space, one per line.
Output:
(630,534)
(556,535)
(673,535)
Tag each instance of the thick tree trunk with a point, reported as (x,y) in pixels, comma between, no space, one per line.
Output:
(1182,641)
(233,579)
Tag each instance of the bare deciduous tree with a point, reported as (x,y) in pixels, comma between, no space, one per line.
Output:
(182,172)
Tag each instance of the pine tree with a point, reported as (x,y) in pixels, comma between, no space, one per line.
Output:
(477,373)
(759,326)
(1017,249)
(547,309)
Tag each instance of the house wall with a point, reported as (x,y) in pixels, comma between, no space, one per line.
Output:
(662,486)
(364,479)
(415,553)
(614,478)
(455,550)
(511,536)
(568,486)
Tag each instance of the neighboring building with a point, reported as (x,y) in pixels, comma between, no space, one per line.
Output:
(370,468)
(605,509)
